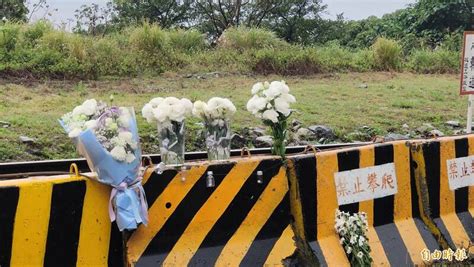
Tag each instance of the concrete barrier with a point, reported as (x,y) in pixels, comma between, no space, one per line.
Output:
(57,221)
(397,234)
(242,220)
(450,210)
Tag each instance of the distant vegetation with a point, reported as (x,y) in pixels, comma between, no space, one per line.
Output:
(262,37)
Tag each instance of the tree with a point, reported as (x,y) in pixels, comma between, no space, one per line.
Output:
(92,19)
(296,20)
(167,13)
(15,10)
(215,16)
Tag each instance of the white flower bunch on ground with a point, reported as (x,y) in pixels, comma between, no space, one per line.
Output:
(352,230)
(216,111)
(164,110)
(110,125)
(271,103)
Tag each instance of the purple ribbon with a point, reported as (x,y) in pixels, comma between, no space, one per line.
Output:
(122,187)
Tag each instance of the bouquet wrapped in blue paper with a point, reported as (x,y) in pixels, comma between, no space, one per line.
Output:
(108,138)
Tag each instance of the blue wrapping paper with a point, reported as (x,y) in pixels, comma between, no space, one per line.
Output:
(127,200)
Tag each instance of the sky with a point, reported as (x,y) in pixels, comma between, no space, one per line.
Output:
(352,9)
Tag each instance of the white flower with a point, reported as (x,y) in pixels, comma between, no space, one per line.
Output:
(348,249)
(161,113)
(119,153)
(126,136)
(78,111)
(156,101)
(360,254)
(117,141)
(130,158)
(270,115)
(89,107)
(256,104)
(147,112)
(188,105)
(361,241)
(282,106)
(353,239)
(288,98)
(199,109)
(341,241)
(92,124)
(74,132)
(256,88)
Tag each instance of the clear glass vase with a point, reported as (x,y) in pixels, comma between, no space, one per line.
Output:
(218,139)
(171,139)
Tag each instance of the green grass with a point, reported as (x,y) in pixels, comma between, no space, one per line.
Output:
(336,100)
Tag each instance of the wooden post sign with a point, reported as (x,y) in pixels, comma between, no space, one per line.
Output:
(467,74)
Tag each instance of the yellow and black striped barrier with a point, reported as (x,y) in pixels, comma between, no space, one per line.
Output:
(57,221)
(260,211)
(243,220)
(397,234)
(450,210)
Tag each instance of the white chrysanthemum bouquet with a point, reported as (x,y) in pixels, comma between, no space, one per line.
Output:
(271,103)
(108,138)
(352,230)
(216,114)
(169,114)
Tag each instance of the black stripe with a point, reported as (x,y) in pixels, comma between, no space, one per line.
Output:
(393,245)
(305,168)
(461,195)
(383,207)
(174,227)
(431,155)
(426,234)
(64,224)
(156,184)
(318,252)
(444,231)
(269,234)
(9,199)
(346,161)
(234,214)
(467,223)
(415,206)
(115,247)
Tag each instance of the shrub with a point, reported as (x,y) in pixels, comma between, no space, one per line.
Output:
(434,61)
(243,38)
(186,40)
(293,61)
(387,54)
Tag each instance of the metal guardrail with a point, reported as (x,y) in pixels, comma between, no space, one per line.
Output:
(13,170)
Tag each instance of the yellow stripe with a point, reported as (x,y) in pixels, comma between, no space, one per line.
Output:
(471,200)
(367,158)
(326,206)
(31,225)
(94,236)
(402,210)
(40,180)
(447,151)
(284,246)
(158,214)
(237,246)
(455,229)
(208,214)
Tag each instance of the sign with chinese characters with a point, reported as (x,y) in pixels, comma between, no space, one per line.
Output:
(365,183)
(460,172)
(467,66)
